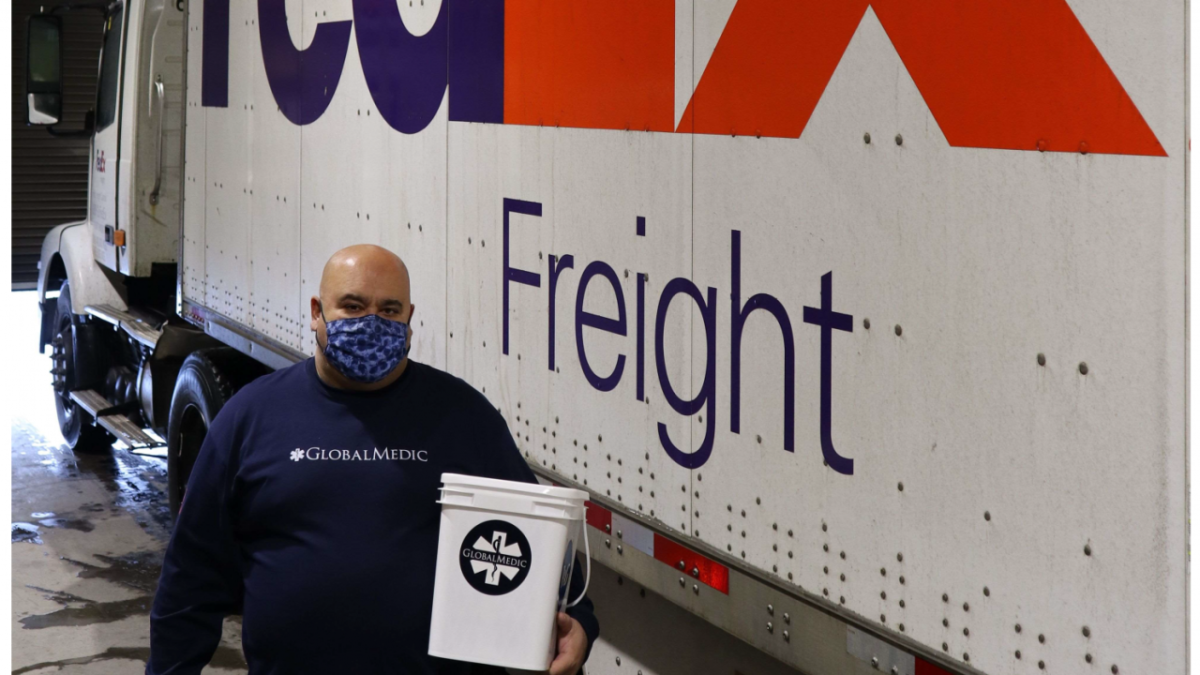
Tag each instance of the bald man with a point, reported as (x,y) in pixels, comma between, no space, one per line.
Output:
(312,506)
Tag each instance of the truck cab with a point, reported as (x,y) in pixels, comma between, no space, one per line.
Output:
(107,285)
(134,191)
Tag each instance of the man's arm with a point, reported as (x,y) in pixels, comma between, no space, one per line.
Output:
(201,580)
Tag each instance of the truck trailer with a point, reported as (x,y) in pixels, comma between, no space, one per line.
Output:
(863,323)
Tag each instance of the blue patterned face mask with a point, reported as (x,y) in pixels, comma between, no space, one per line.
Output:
(365,348)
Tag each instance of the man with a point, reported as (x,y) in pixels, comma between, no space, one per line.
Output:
(312,504)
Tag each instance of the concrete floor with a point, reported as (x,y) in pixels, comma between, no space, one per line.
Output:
(88,537)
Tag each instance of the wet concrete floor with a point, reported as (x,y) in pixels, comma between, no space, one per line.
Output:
(88,535)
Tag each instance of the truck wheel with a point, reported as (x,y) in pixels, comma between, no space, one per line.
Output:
(207,380)
(78,429)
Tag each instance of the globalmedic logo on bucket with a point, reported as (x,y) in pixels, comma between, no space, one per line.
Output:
(495,557)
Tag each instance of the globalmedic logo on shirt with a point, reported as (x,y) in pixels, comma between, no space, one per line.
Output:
(495,557)
(369,455)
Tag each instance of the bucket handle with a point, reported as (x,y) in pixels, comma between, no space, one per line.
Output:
(587,575)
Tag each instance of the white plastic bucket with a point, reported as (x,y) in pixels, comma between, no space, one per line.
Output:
(505,554)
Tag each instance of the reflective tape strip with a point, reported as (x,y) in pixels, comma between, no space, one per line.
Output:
(633,534)
(879,654)
(709,572)
(706,571)
(885,657)
(715,575)
(927,668)
(598,517)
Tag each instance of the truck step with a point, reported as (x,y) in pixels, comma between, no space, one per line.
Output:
(91,400)
(127,431)
(142,328)
(117,424)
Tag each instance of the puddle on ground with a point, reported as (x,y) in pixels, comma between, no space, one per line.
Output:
(79,611)
(61,597)
(136,483)
(68,523)
(127,653)
(26,532)
(23,531)
(139,571)
(138,487)
(225,657)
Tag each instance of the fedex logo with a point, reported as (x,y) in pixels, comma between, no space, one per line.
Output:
(1018,75)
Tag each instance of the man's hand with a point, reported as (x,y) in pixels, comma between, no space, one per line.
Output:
(572,645)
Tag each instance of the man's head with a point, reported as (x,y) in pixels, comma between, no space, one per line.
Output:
(358,281)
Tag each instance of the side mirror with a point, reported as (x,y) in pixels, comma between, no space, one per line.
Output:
(43,70)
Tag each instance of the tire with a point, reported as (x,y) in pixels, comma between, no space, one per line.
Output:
(207,380)
(71,342)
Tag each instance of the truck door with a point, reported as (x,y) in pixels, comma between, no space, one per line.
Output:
(152,233)
(103,197)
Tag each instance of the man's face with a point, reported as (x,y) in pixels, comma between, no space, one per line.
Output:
(359,281)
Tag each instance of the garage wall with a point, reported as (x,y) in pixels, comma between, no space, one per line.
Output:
(49,174)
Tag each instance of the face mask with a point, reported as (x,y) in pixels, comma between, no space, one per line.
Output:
(365,348)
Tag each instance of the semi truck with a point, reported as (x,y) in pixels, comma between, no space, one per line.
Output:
(862,322)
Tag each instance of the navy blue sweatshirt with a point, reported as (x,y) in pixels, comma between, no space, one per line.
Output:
(312,511)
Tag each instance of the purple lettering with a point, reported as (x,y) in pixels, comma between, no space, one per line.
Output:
(829,320)
(405,74)
(556,267)
(707,393)
(476,67)
(604,323)
(302,81)
(641,322)
(705,398)
(214,55)
(511,273)
(739,314)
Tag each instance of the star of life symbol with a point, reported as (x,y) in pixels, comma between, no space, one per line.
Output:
(297,455)
(495,557)
(499,545)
